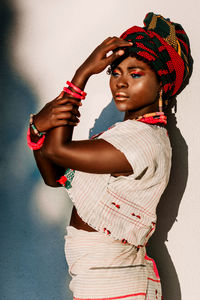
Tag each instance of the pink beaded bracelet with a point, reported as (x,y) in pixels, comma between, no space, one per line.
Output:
(32,145)
(75,95)
(76,88)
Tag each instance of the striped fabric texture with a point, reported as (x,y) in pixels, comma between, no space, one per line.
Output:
(124,207)
(103,268)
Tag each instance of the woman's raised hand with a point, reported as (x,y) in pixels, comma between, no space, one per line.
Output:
(61,111)
(100,58)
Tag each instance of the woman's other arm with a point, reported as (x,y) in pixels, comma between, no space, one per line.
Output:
(58,118)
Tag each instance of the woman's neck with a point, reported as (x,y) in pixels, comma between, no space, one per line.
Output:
(142,111)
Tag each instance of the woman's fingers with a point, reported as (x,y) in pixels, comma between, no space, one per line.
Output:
(67,116)
(115,43)
(58,112)
(64,119)
(118,41)
(115,40)
(67,99)
(113,56)
(112,48)
(115,48)
(67,108)
(112,45)
(61,95)
(108,39)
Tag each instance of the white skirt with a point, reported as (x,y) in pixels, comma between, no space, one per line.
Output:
(104,268)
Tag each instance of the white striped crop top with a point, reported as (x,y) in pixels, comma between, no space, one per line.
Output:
(124,207)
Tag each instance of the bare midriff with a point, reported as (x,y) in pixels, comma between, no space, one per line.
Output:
(78,223)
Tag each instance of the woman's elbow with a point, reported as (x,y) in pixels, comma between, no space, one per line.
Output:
(49,152)
(50,179)
(51,183)
(56,155)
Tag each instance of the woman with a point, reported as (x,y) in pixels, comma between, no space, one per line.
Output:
(120,174)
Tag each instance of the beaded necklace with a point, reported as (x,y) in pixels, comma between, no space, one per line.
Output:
(153,118)
(150,118)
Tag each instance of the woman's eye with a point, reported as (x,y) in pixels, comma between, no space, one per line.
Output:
(136,75)
(114,73)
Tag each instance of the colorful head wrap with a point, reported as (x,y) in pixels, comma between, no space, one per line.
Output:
(166,47)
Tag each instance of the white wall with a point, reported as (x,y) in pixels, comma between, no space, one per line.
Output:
(51,39)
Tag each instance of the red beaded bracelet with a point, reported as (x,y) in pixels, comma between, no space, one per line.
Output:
(75,95)
(77,89)
(32,145)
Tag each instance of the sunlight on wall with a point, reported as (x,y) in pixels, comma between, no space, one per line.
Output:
(50,205)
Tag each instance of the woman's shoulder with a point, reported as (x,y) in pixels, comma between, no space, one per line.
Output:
(136,128)
(135,135)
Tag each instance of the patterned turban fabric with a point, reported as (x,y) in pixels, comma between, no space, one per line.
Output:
(166,47)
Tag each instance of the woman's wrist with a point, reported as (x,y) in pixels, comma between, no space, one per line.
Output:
(33,136)
(81,77)
(37,125)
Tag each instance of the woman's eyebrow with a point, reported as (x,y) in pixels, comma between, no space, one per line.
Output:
(130,68)
(135,67)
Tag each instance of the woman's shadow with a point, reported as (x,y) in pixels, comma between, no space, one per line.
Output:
(167,209)
(31,255)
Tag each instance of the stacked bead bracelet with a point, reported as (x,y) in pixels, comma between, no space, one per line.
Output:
(79,94)
(32,145)
(37,132)
(41,135)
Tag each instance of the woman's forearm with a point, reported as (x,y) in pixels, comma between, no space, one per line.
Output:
(49,171)
(54,137)
(63,134)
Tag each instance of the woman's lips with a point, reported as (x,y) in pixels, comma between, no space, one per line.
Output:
(121,96)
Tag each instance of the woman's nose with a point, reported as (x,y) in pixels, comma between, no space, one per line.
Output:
(122,82)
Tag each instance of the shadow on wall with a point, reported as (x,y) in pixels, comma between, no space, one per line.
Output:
(167,211)
(169,204)
(32,260)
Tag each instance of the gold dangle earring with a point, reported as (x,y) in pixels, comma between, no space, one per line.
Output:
(160,102)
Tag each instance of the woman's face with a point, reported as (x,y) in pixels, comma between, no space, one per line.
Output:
(135,88)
